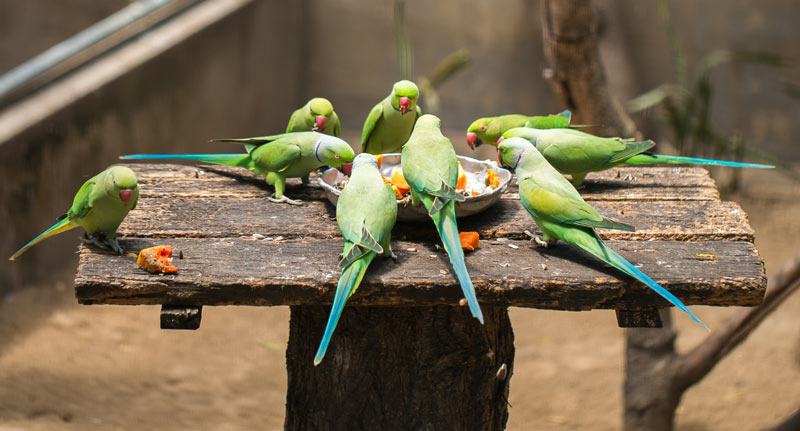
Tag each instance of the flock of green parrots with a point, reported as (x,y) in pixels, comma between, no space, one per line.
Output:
(539,149)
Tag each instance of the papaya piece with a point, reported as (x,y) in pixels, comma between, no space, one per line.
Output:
(157,259)
(399,181)
(461,184)
(469,240)
(492,179)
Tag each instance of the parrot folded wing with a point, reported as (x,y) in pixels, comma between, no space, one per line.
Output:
(369,125)
(363,245)
(559,208)
(276,156)
(631,149)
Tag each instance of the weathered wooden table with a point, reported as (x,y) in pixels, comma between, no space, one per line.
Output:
(405,355)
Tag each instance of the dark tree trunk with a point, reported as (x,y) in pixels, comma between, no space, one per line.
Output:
(404,368)
(575,70)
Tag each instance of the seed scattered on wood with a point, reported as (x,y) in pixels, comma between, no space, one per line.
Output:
(443,271)
(462,302)
(544,267)
(437,246)
(180,254)
(505,264)
(258,236)
(413,250)
(514,246)
(502,372)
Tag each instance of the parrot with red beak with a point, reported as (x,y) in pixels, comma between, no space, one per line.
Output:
(489,129)
(391,121)
(315,116)
(99,207)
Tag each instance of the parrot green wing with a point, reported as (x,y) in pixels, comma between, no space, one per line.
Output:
(295,119)
(559,202)
(337,126)
(572,151)
(418,111)
(366,243)
(275,157)
(631,149)
(81,204)
(369,125)
(256,140)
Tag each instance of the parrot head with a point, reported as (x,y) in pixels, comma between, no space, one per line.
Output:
(510,151)
(365,159)
(483,129)
(333,151)
(404,96)
(121,182)
(321,110)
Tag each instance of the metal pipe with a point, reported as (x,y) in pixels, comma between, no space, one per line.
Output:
(62,51)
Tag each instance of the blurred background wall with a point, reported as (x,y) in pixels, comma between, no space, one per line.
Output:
(244,74)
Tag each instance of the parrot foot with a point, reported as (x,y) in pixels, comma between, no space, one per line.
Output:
(101,241)
(392,255)
(538,240)
(285,199)
(406,201)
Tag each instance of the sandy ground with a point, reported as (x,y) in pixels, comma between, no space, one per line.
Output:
(69,367)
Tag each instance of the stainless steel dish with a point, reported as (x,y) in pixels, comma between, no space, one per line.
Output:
(476,175)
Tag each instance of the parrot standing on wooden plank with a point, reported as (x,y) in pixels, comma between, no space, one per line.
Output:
(430,168)
(290,155)
(562,214)
(366,213)
(390,122)
(100,205)
(577,153)
(489,129)
(315,116)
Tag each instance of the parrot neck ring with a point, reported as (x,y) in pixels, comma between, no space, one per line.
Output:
(519,158)
(316,150)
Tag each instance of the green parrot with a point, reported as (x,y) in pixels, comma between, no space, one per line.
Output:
(290,155)
(366,212)
(562,214)
(577,153)
(315,116)
(430,167)
(100,205)
(490,129)
(388,126)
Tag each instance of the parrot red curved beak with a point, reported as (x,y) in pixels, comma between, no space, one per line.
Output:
(405,104)
(125,195)
(347,168)
(499,141)
(471,137)
(320,122)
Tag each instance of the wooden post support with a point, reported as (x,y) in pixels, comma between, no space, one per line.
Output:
(400,368)
(181,316)
(639,318)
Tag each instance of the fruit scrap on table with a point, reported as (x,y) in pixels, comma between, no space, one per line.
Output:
(469,240)
(157,259)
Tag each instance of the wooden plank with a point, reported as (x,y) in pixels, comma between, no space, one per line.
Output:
(220,217)
(628,183)
(304,272)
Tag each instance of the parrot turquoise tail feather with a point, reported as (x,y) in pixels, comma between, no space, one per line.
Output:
(655,159)
(64,224)
(562,214)
(241,160)
(445,221)
(348,283)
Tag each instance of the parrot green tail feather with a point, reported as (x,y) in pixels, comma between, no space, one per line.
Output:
(348,283)
(239,159)
(445,221)
(63,225)
(655,159)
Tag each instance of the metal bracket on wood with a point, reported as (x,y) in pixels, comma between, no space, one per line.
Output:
(181,316)
(639,318)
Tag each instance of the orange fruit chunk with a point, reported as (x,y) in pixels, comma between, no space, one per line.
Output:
(157,259)
(380,159)
(399,181)
(492,179)
(461,184)
(469,240)
(397,193)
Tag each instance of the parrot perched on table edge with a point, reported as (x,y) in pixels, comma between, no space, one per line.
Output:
(561,213)
(430,168)
(99,211)
(365,203)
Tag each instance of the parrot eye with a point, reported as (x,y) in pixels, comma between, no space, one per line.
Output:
(482,128)
(336,156)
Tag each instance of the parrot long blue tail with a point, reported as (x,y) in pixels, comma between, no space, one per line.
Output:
(348,283)
(655,159)
(240,159)
(61,226)
(614,259)
(445,221)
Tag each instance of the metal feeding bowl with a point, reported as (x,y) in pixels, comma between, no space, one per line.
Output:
(475,170)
